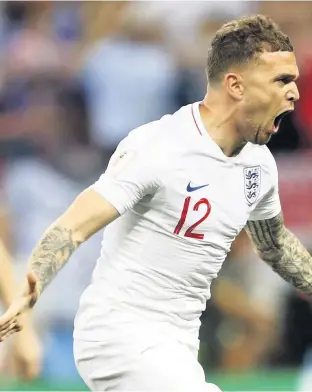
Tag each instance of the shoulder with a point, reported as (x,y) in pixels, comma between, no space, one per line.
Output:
(263,157)
(163,136)
(261,153)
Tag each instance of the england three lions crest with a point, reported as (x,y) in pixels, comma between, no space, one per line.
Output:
(252,182)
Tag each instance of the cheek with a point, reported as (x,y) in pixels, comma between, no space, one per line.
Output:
(258,91)
(259,102)
(255,107)
(264,97)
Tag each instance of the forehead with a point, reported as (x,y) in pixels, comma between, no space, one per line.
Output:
(278,63)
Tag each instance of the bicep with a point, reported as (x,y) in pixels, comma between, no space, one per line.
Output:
(267,234)
(89,213)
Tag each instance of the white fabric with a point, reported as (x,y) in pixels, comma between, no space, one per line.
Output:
(167,367)
(152,280)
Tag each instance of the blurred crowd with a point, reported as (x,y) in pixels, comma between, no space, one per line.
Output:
(75,78)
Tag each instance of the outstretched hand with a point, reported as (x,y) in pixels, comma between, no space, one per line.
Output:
(12,321)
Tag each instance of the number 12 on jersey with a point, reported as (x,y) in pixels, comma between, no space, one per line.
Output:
(189,231)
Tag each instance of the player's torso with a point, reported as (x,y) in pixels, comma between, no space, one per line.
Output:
(158,260)
(205,202)
(186,227)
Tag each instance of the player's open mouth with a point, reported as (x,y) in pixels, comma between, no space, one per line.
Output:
(278,120)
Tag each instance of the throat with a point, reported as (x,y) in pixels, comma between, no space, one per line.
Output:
(233,152)
(221,129)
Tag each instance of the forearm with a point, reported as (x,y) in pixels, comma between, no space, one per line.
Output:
(51,254)
(284,253)
(86,215)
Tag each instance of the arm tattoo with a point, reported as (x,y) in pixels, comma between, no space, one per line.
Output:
(279,248)
(50,255)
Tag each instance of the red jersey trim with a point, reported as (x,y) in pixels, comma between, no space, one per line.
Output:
(195,120)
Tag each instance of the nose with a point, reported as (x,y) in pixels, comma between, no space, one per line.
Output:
(293,93)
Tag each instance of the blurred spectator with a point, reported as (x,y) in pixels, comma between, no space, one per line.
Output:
(101,19)
(36,75)
(188,29)
(243,328)
(295,350)
(180,20)
(130,79)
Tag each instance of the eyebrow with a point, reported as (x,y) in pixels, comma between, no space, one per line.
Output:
(288,76)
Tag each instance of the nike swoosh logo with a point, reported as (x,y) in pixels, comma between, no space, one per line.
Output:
(195,188)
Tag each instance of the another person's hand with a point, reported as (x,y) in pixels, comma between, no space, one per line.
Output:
(13,319)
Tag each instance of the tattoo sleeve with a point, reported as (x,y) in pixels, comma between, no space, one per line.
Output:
(51,254)
(282,250)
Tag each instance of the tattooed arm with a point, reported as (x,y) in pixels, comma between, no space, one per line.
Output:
(282,250)
(88,214)
(51,254)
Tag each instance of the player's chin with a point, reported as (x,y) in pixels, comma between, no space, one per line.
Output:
(263,138)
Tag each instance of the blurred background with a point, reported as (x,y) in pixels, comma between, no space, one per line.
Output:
(75,78)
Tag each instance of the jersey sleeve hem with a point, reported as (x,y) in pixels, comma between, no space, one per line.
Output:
(111,197)
(264,216)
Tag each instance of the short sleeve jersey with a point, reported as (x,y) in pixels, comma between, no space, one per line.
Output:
(182,203)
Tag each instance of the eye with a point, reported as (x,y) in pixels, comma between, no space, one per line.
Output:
(284,80)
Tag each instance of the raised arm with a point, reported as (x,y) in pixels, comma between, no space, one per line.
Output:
(88,213)
(282,250)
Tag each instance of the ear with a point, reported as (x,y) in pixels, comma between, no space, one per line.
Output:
(234,86)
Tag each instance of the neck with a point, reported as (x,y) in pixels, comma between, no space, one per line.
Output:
(218,116)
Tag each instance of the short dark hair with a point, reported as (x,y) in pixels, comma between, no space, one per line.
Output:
(241,40)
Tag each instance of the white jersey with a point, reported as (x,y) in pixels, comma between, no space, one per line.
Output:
(182,203)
